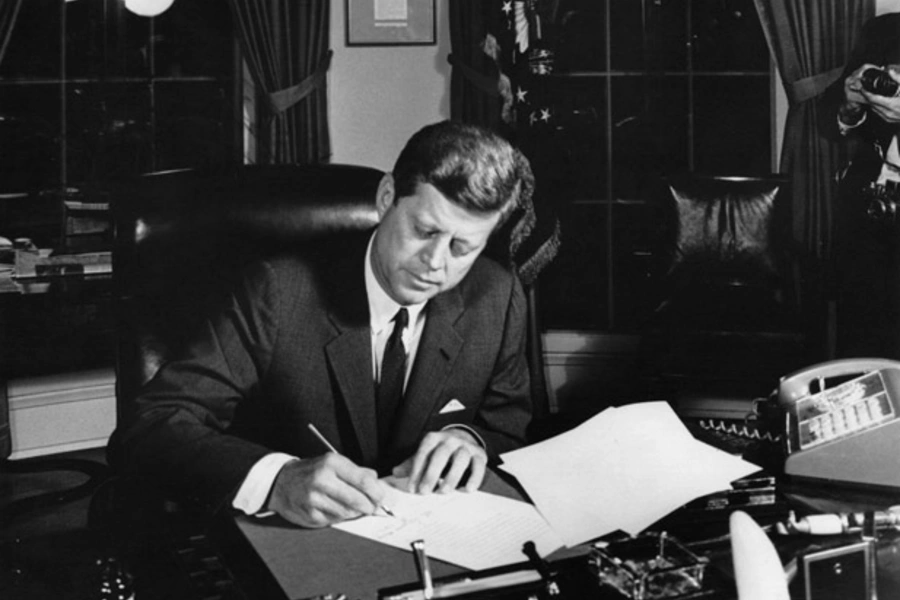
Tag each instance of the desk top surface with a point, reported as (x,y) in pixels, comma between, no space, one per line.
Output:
(311,562)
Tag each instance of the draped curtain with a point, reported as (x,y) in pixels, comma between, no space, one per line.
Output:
(810,40)
(474,92)
(285,45)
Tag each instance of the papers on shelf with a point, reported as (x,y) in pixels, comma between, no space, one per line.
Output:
(86,206)
(475,530)
(44,264)
(625,468)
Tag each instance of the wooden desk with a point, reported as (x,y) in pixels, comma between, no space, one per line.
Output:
(300,564)
(305,563)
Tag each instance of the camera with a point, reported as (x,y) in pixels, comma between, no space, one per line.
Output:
(877,81)
(883,201)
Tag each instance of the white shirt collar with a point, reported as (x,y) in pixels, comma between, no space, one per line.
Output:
(382,307)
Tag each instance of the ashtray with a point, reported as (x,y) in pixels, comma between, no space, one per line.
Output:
(648,567)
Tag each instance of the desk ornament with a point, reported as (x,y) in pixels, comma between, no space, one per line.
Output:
(650,566)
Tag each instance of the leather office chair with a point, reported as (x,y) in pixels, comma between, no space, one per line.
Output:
(730,318)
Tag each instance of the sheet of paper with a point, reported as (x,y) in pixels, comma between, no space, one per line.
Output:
(474,530)
(625,468)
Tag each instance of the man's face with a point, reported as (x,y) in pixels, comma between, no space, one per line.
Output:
(425,244)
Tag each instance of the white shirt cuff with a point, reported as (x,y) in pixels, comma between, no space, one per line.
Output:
(256,487)
(844,127)
(468,429)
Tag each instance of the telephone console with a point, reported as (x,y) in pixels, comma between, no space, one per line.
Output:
(848,433)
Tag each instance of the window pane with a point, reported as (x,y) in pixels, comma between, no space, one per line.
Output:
(627,35)
(581,44)
(650,131)
(34,49)
(108,131)
(29,137)
(727,36)
(731,124)
(191,121)
(194,38)
(103,39)
(667,34)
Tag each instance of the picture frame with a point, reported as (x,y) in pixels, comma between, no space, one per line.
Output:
(391,22)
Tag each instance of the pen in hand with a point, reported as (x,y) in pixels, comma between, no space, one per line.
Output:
(331,448)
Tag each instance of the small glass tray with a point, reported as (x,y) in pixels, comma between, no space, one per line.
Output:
(648,567)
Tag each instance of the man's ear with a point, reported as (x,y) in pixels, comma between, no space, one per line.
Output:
(384,197)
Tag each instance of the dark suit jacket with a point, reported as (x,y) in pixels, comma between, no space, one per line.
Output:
(293,346)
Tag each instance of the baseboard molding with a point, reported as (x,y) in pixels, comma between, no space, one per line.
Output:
(61,413)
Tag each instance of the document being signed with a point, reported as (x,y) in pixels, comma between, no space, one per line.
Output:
(475,530)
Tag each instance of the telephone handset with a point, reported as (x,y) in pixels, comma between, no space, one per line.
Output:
(848,432)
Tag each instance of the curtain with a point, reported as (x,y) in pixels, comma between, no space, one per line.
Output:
(474,92)
(285,45)
(810,40)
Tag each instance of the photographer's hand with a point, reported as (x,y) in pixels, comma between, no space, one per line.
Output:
(885,107)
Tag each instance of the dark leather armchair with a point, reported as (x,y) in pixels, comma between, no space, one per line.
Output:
(733,314)
(181,236)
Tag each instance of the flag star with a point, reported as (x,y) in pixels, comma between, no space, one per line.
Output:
(507,7)
(545,115)
(532,118)
(520,94)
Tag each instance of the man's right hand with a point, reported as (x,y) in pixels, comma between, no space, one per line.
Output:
(319,491)
(856,98)
(855,101)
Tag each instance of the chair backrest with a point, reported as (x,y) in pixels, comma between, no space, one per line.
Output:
(181,236)
(724,229)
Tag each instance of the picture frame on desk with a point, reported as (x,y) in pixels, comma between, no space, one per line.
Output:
(391,22)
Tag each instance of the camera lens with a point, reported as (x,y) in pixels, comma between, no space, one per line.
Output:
(877,81)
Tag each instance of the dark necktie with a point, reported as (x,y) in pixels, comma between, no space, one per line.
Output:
(393,372)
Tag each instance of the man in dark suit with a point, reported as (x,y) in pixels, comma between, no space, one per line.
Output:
(867,247)
(315,339)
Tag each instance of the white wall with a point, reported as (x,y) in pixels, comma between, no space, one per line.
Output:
(379,96)
(886,6)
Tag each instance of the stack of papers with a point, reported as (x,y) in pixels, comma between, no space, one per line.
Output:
(625,468)
(474,530)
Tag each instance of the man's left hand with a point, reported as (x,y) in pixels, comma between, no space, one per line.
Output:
(442,460)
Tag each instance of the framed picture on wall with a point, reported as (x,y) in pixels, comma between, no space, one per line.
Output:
(391,22)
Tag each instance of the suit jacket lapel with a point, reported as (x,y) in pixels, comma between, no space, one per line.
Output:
(438,349)
(349,353)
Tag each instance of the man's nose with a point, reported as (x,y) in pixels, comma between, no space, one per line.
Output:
(434,254)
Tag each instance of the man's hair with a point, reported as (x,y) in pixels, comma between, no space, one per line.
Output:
(473,167)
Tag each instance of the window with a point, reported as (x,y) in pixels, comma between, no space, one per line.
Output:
(650,87)
(90,92)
